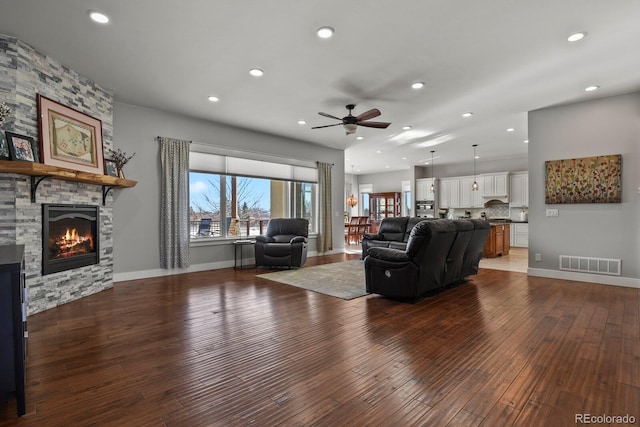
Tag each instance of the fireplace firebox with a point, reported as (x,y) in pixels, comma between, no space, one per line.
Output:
(70,237)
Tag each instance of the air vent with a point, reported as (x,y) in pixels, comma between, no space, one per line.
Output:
(590,265)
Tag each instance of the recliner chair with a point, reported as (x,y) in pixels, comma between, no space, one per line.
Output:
(284,244)
(411,274)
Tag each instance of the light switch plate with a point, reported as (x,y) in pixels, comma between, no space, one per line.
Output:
(552,212)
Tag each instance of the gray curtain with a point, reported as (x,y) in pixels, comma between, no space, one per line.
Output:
(174,203)
(325,229)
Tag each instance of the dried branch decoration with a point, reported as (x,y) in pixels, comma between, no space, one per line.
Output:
(4,112)
(120,158)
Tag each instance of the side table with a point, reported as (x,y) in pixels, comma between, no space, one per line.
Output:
(241,244)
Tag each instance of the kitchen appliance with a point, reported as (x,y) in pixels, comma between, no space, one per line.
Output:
(523,215)
(425,208)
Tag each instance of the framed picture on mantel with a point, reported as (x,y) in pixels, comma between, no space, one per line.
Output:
(69,138)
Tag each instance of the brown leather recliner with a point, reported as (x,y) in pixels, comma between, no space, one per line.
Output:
(284,244)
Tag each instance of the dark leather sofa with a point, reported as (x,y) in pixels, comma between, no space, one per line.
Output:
(438,254)
(284,244)
(392,233)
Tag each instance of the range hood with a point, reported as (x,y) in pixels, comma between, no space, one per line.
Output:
(500,201)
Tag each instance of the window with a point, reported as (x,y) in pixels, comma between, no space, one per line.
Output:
(236,205)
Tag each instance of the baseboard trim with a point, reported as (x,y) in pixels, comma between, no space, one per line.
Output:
(159,272)
(628,282)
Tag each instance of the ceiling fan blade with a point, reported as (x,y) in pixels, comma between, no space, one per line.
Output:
(326,126)
(374,112)
(329,116)
(380,125)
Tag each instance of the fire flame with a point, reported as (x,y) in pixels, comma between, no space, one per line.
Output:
(69,241)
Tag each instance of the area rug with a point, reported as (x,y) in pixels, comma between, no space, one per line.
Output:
(340,279)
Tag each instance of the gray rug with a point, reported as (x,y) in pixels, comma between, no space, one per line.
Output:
(341,279)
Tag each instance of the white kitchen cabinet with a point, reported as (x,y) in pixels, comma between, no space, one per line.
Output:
(449,193)
(423,189)
(495,184)
(520,235)
(468,197)
(519,189)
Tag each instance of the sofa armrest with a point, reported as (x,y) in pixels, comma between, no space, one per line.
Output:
(298,239)
(264,239)
(372,236)
(388,254)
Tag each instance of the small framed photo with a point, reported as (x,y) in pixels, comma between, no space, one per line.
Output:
(110,168)
(4,147)
(21,147)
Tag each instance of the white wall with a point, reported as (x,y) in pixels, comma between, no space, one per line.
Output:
(599,127)
(136,210)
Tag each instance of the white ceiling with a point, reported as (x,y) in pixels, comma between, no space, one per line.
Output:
(496,58)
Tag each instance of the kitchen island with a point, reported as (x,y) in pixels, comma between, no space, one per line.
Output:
(498,242)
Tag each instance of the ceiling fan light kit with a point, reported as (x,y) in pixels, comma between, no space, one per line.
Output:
(350,122)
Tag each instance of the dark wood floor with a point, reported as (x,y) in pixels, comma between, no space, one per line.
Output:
(226,348)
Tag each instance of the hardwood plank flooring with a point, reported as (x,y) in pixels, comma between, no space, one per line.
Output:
(225,348)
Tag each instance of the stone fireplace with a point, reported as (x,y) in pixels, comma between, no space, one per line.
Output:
(70,237)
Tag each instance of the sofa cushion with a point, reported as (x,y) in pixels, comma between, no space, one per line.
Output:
(393,228)
(410,224)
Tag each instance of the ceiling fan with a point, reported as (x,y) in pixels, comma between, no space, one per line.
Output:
(351,122)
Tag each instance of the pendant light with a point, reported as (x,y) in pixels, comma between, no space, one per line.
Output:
(474,187)
(433,188)
(352,200)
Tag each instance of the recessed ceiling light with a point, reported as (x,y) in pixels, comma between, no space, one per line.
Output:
(213,98)
(576,36)
(406,127)
(360,137)
(526,141)
(379,152)
(325,32)
(477,157)
(591,88)
(510,130)
(302,122)
(256,72)
(467,114)
(417,85)
(98,17)
(404,158)
(386,167)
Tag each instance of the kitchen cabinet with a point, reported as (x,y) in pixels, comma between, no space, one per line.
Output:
(495,185)
(519,189)
(520,235)
(498,242)
(423,189)
(13,325)
(468,197)
(449,193)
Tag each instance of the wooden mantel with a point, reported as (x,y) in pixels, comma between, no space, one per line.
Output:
(43,171)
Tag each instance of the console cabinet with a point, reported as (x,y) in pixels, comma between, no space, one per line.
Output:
(13,325)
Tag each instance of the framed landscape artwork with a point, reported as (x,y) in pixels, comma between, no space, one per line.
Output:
(21,147)
(584,180)
(69,138)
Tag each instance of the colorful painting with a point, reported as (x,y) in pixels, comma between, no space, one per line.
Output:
(584,180)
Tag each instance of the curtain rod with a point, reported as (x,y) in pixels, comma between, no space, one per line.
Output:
(209,145)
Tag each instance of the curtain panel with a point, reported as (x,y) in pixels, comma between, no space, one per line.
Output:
(325,229)
(174,203)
